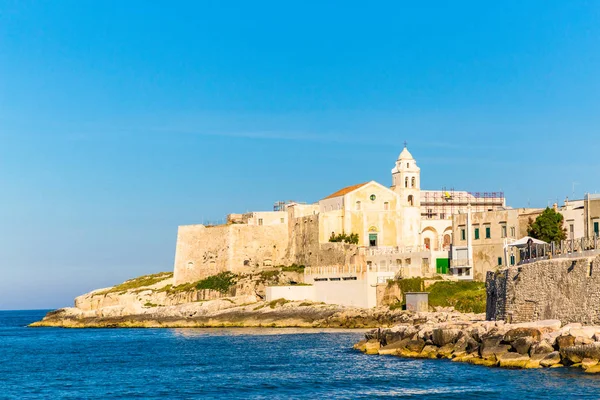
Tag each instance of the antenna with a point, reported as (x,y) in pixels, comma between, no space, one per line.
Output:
(574,184)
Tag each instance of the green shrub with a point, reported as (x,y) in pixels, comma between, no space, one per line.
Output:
(397,306)
(148,304)
(464,296)
(269,275)
(293,268)
(278,302)
(139,282)
(221,282)
(343,238)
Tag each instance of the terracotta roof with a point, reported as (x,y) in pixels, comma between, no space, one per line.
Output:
(344,191)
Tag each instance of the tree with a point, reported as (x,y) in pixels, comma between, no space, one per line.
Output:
(343,238)
(548,226)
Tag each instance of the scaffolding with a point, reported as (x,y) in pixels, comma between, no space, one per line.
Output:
(447,202)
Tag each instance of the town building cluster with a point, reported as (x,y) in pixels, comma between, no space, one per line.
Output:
(362,235)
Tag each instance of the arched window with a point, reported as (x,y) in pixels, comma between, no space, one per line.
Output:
(413,181)
(410,200)
(427,243)
(406,182)
(407,165)
(358,205)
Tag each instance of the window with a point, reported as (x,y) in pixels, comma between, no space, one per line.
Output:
(571,230)
(442,215)
(429,213)
(499,260)
(372,197)
(503,229)
(463,234)
(406,182)
(410,200)
(512,231)
(260,221)
(282,220)
(413,181)
(476,233)
(407,165)
(398,261)
(488,232)
(358,205)
(407,261)
(512,260)
(386,206)
(596,228)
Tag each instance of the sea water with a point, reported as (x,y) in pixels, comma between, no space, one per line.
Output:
(246,364)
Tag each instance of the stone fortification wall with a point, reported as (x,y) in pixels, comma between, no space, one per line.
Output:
(204,251)
(563,289)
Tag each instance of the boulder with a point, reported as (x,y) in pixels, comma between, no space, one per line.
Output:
(587,332)
(593,370)
(513,360)
(517,333)
(442,337)
(565,341)
(465,345)
(429,352)
(576,354)
(481,361)
(550,359)
(542,347)
(394,347)
(415,345)
(522,344)
(372,346)
(581,340)
(446,350)
(493,340)
(544,326)
(493,352)
(588,362)
(362,346)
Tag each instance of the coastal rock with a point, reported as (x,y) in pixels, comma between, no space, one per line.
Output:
(544,326)
(513,360)
(429,352)
(372,346)
(588,363)
(550,359)
(443,336)
(565,341)
(517,333)
(446,351)
(361,346)
(394,347)
(593,369)
(587,332)
(576,354)
(542,347)
(494,352)
(415,345)
(522,344)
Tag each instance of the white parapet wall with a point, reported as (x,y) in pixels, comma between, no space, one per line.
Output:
(292,293)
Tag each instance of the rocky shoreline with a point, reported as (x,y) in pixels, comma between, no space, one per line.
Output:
(541,344)
(242,311)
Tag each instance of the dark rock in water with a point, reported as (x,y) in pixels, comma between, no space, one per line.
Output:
(517,333)
(415,345)
(522,345)
(565,341)
(443,336)
(394,347)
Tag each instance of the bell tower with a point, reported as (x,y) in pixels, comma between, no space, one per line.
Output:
(406,179)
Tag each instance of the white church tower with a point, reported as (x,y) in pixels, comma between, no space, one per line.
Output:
(406,181)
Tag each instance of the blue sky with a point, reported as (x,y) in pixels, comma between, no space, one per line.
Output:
(120,121)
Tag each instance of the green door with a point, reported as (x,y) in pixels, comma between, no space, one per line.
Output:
(442,265)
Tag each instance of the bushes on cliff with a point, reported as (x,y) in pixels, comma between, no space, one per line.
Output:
(221,282)
(139,282)
(343,238)
(464,296)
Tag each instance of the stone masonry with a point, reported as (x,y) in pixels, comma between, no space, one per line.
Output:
(564,289)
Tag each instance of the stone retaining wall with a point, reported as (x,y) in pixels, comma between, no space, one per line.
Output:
(564,289)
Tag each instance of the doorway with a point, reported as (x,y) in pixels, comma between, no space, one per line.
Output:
(373,239)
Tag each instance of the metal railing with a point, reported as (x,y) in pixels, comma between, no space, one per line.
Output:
(563,249)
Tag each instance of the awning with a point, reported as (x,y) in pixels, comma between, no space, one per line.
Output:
(523,242)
